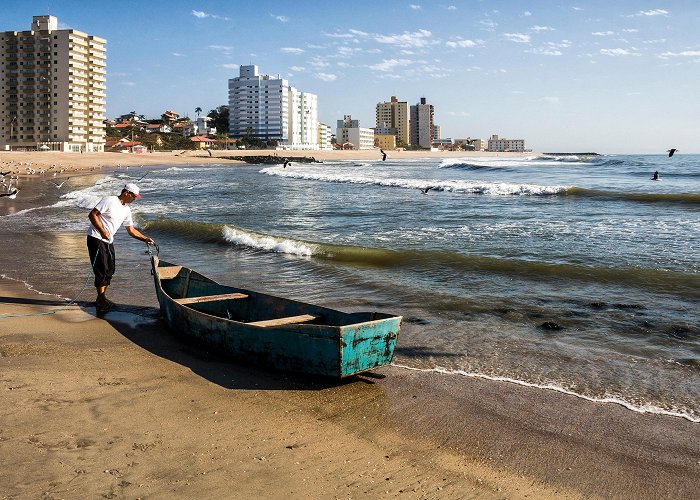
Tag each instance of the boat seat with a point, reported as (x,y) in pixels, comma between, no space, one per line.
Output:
(211,298)
(170,272)
(283,321)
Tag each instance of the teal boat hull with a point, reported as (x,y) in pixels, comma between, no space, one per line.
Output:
(271,331)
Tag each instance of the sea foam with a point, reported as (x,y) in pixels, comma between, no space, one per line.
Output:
(267,243)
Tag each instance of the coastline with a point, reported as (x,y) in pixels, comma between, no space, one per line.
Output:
(176,422)
(173,422)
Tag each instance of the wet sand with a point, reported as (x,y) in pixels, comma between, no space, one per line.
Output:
(116,407)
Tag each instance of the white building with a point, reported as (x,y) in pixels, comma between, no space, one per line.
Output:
(267,107)
(324,136)
(496,144)
(348,131)
(53,89)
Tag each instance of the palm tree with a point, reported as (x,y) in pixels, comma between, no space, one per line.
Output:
(197,110)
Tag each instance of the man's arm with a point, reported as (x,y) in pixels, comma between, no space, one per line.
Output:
(135,233)
(94,217)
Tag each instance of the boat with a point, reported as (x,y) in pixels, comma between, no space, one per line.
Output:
(271,331)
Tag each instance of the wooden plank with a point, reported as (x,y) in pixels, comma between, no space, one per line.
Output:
(211,298)
(283,321)
(166,273)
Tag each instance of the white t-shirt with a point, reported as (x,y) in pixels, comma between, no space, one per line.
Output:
(112,215)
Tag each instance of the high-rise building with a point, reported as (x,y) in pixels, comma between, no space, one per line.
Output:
(393,115)
(53,89)
(422,124)
(267,107)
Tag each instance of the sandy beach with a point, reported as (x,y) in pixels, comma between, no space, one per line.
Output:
(117,407)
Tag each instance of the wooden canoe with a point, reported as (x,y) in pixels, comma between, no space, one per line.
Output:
(272,331)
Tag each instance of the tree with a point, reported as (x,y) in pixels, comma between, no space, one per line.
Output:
(197,110)
(220,118)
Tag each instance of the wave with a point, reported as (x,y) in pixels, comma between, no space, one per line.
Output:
(633,406)
(453,186)
(425,260)
(681,198)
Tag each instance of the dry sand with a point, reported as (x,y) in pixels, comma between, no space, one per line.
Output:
(118,408)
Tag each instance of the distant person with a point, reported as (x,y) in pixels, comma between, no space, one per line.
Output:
(655,177)
(105,219)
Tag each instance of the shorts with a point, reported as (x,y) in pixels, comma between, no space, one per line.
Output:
(102,260)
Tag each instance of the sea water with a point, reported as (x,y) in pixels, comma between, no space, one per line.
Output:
(571,273)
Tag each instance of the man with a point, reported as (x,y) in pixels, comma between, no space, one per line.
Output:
(107,216)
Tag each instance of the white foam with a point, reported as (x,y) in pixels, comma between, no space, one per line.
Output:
(454,186)
(267,243)
(639,408)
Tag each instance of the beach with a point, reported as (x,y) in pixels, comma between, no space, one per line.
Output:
(117,407)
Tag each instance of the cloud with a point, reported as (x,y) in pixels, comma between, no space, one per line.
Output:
(618,52)
(539,29)
(451,7)
(326,77)
(517,37)
(129,84)
(297,68)
(282,19)
(203,15)
(488,24)
(177,54)
(527,13)
(464,44)
(292,50)
(544,51)
(653,12)
(415,7)
(685,53)
(420,38)
(390,64)
(577,8)
(603,33)
(549,99)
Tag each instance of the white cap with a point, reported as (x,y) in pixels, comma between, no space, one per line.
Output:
(133,188)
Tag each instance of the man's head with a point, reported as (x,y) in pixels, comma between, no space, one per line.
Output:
(130,191)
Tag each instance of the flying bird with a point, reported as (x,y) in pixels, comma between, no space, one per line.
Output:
(671,151)
(286,162)
(144,175)
(3,174)
(11,195)
(425,191)
(58,186)
(383,154)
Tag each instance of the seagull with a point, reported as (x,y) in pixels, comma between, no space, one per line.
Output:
(58,186)
(3,174)
(286,162)
(425,191)
(11,195)
(671,151)
(383,154)
(144,175)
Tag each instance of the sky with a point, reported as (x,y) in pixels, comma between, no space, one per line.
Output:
(606,76)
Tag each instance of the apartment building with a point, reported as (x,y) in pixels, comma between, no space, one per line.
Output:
(53,89)
(393,115)
(422,124)
(348,132)
(502,144)
(324,136)
(267,107)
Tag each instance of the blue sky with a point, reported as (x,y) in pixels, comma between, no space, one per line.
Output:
(606,76)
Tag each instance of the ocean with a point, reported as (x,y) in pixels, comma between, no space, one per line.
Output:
(571,273)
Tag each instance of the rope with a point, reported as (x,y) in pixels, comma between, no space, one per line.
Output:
(87,279)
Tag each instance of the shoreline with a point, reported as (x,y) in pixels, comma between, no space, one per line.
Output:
(176,422)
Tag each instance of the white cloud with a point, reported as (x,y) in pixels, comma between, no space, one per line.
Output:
(390,64)
(488,24)
(618,52)
(129,84)
(527,13)
(292,50)
(685,53)
(549,99)
(415,7)
(517,37)
(297,68)
(451,7)
(464,44)
(577,8)
(223,48)
(653,12)
(282,19)
(420,38)
(326,77)
(631,30)
(544,51)
(203,15)
(177,54)
(539,29)
(603,33)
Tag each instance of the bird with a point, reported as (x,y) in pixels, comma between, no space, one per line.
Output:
(286,162)
(671,151)
(144,175)
(425,191)
(12,195)
(3,174)
(383,154)
(58,186)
